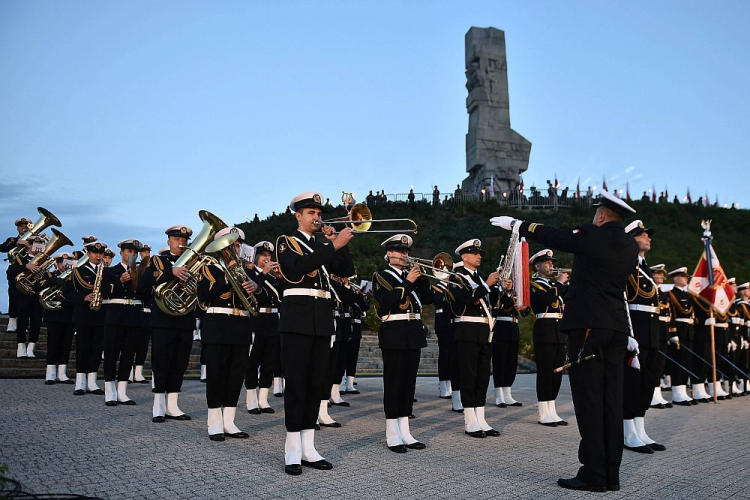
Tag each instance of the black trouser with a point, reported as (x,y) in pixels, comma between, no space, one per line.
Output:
(262,357)
(330,371)
(59,341)
(142,338)
(444,355)
(279,371)
(474,365)
(12,299)
(678,375)
(639,384)
(661,361)
(702,349)
(597,398)
(29,316)
(305,362)
(352,355)
(341,359)
(548,357)
(88,347)
(721,339)
(119,344)
(225,368)
(454,364)
(170,355)
(400,368)
(504,362)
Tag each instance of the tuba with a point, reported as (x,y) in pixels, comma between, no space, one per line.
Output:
(230,263)
(26,281)
(178,298)
(51,298)
(45,220)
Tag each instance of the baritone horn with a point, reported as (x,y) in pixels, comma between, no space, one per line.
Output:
(360,219)
(46,219)
(27,280)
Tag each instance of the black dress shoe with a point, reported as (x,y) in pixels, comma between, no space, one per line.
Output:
(130,381)
(492,433)
(640,449)
(267,410)
(158,420)
(548,424)
(320,464)
(129,402)
(70,381)
(704,400)
(334,424)
(49,382)
(343,403)
(184,416)
(659,406)
(668,405)
(576,484)
(237,435)
(216,437)
(203,381)
(501,405)
(457,411)
(110,403)
(293,469)
(561,422)
(476,434)
(355,391)
(613,487)
(657,447)
(412,416)
(254,411)
(416,446)
(79,392)
(399,448)
(144,381)
(97,392)
(515,404)
(444,397)
(317,427)
(278,395)
(683,403)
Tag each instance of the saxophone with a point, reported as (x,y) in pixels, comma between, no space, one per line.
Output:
(96,302)
(229,262)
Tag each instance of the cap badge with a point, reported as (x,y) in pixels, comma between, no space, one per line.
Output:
(477,243)
(404,239)
(183,230)
(136,243)
(316,198)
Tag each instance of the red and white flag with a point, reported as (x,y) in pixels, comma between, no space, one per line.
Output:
(709,282)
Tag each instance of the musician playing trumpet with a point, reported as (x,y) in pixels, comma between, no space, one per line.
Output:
(226,334)
(400,293)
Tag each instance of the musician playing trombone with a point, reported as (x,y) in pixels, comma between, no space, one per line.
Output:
(226,335)
(400,291)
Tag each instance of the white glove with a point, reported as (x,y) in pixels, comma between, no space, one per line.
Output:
(505,222)
(745,344)
(675,340)
(733,344)
(333,340)
(710,321)
(632,344)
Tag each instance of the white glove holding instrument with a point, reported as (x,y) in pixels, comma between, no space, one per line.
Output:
(633,345)
(710,321)
(674,340)
(505,222)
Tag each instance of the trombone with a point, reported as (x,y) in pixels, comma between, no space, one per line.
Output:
(360,219)
(439,266)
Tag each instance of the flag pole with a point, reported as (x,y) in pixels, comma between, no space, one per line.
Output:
(709,261)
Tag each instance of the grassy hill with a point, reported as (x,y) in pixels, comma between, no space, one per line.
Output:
(676,240)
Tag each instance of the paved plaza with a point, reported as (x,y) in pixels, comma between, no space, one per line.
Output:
(53,442)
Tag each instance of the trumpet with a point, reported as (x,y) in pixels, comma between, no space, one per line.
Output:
(557,271)
(230,263)
(360,219)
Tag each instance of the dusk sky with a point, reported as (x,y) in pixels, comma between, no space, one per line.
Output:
(124,118)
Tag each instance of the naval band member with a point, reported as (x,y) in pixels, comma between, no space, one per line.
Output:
(22,225)
(596,323)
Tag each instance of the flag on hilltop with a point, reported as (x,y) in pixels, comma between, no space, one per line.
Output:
(666,192)
(520,185)
(578,189)
(706,200)
(689,199)
(653,193)
(492,186)
(627,191)
(709,281)
(557,184)
(604,184)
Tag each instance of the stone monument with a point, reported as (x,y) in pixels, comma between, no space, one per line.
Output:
(493,149)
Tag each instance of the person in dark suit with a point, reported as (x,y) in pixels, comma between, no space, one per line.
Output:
(400,291)
(22,225)
(443,332)
(359,312)
(596,322)
(122,324)
(60,328)
(306,324)
(226,336)
(471,302)
(89,323)
(143,337)
(547,300)
(505,340)
(28,309)
(681,334)
(659,274)
(643,306)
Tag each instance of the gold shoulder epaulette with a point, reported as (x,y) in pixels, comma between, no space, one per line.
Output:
(536,285)
(379,280)
(284,243)
(82,281)
(208,275)
(158,264)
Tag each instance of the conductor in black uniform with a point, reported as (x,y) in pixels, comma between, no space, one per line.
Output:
(306,324)
(596,322)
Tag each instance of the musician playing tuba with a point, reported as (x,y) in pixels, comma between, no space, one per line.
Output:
(226,335)
(172,335)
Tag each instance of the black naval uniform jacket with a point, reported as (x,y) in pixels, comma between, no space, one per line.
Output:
(64,315)
(215,291)
(642,292)
(603,258)
(443,314)
(682,316)
(112,288)
(159,271)
(664,318)
(84,278)
(467,300)
(394,294)
(359,311)
(301,260)
(268,295)
(547,297)
(9,244)
(505,307)
(736,322)
(342,301)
